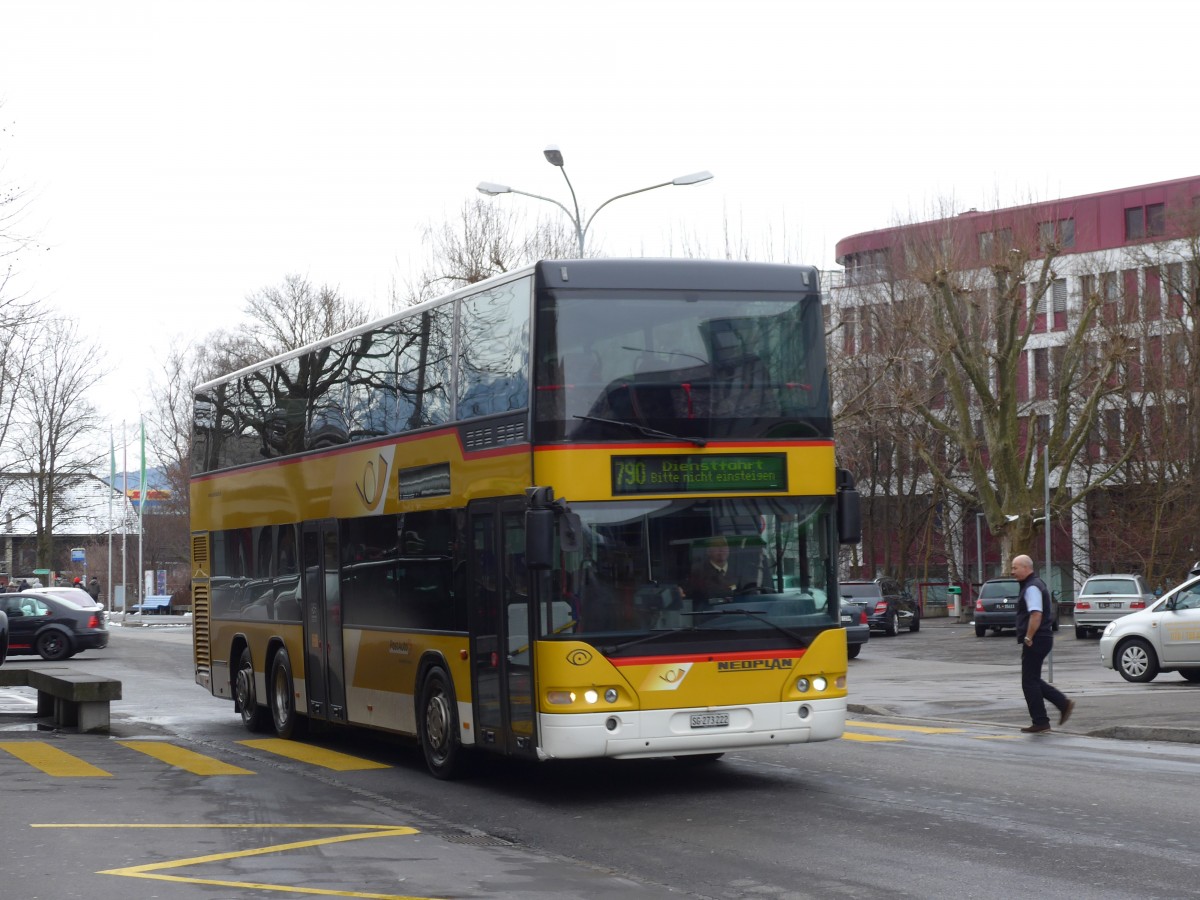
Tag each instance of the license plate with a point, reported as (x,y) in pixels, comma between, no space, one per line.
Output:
(1006,606)
(846,620)
(710,720)
(1109,605)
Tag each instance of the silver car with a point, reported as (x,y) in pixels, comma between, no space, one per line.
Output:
(1163,638)
(1105,598)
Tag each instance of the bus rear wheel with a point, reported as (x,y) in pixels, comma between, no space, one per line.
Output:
(282,696)
(438,725)
(245,699)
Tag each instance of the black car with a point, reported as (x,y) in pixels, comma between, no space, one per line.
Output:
(889,607)
(996,605)
(52,625)
(858,631)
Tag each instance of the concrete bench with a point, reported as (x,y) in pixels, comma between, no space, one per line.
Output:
(72,699)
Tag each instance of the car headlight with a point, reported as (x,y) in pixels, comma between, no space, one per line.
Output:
(1109,629)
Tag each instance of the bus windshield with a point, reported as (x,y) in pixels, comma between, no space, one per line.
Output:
(697,364)
(714,574)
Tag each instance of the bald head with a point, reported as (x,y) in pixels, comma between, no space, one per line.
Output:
(1022,567)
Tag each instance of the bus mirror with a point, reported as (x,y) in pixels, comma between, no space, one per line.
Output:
(570,532)
(849,512)
(539,538)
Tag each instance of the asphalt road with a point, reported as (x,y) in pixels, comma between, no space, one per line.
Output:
(932,793)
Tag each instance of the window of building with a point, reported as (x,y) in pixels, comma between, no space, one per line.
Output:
(1041,373)
(1135,223)
(1059,233)
(1143,221)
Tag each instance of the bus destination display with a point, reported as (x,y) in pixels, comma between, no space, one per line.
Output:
(688,474)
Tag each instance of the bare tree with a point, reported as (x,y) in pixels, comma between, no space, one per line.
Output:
(483,240)
(297,313)
(954,314)
(58,425)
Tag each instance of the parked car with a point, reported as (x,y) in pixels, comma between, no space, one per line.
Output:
(53,627)
(3,636)
(858,630)
(1104,598)
(1164,637)
(996,605)
(889,607)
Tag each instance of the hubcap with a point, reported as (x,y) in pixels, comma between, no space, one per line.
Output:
(1134,660)
(437,725)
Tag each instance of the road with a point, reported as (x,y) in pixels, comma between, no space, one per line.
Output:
(925,797)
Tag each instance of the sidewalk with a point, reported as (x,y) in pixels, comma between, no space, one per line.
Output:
(1166,709)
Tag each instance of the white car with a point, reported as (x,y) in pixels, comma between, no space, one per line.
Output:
(1163,638)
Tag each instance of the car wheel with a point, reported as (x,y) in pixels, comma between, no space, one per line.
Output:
(282,697)
(1080,632)
(438,724)
(915,624)
(53,645)
(893,625)
(1192,675)
(980,630)
(256,718)
(1136,661)
(852,650)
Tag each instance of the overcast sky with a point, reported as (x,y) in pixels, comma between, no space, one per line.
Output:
(179,156)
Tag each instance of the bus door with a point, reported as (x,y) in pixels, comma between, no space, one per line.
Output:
(501,628)
(324,675)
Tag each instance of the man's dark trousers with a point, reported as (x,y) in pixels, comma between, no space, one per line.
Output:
(1036,691)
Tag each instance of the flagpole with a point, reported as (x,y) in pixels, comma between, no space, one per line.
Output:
(112,489)
(141,530)
(124,512)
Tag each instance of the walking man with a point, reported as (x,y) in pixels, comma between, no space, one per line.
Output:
(1035,618)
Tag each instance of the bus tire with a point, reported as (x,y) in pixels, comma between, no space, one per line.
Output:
(281,693)
(438,726)
(255,717)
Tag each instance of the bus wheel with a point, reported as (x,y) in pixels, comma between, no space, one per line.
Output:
(245,700)
(439,726)
(288,723)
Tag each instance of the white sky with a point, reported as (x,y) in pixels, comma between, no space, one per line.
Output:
(179,156)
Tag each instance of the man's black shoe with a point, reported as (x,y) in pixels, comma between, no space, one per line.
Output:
(1036,729)
(1066,712)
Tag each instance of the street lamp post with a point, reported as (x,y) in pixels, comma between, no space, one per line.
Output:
(555,158)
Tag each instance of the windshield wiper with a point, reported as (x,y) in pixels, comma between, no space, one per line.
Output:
(647,432)
(652,636)
(758,614)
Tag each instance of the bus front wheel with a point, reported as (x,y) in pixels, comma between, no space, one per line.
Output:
(444,753)
(282,695)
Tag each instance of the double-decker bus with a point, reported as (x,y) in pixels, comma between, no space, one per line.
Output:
(585,509)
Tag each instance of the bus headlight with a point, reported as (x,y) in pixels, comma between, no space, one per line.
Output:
(819,683)
(590,696)
(611,695)
(560,698)
(802,685)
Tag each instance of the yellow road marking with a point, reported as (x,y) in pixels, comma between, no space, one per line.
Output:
(153,870)
(317,756)
(918,729)
(51,760)
(182,758)
(868,738)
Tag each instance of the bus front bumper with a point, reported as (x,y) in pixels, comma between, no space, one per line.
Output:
(670,732)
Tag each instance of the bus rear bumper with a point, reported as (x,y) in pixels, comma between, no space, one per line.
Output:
(650,733)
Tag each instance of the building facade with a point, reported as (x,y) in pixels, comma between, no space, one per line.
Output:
(1113,268)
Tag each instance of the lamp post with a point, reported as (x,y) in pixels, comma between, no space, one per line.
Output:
(979,544)
(555,158)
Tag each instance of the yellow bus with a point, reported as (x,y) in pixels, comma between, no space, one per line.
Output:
(585,509)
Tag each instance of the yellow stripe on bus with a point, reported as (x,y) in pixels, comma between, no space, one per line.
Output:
(317,756)
(182,758)
(51,760)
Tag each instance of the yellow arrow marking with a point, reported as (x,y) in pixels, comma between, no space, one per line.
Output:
(153,870)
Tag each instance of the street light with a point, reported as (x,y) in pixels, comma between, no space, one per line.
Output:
(555,158)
